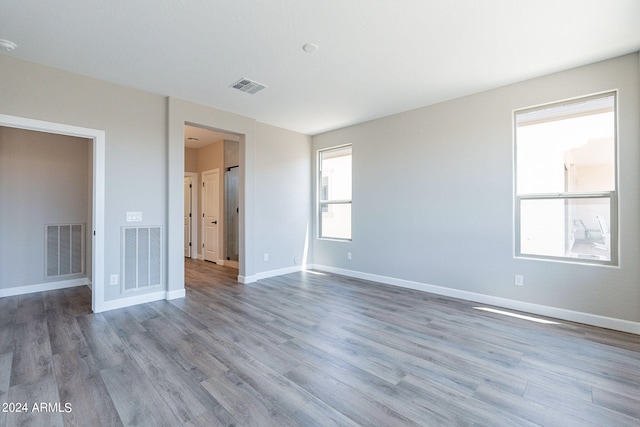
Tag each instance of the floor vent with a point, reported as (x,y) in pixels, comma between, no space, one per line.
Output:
(64,249)
(142,260)
(248,86)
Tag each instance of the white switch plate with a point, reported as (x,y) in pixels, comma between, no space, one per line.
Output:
(134,216)
(266,257)
(349,256)
(113,280)
(519,280)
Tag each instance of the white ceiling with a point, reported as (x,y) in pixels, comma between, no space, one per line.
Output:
(375,57)
(198,137)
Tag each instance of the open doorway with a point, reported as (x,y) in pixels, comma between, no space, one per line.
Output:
(212,163)
(74,248)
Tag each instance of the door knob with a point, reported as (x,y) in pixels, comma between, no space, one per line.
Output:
(214,222)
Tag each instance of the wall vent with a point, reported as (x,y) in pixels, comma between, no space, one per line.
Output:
(64,249)
(141,257)
(248,86)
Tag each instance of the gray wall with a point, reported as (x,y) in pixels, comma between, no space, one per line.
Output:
(270,188)
(433,197)
(283,191)
(135,126)
(44,179)
(432,200)
(145,160)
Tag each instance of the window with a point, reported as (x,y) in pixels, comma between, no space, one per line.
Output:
(565,202)
(334,193)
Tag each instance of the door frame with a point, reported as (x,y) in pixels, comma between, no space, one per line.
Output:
(98,211)
(181,113)
(195,254)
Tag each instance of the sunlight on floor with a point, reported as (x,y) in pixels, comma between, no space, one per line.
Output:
(317,273)
(519,316)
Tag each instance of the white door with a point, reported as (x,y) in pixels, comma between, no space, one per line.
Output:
(187,216)
(211,209)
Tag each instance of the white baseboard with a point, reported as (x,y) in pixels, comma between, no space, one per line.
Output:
(178,293)
(543,310)
(133,300)
(278,272)
(247,279)
(43,287)
(141,299)
(270,273)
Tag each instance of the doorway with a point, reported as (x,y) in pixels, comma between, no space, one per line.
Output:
(210,155)
(97,139)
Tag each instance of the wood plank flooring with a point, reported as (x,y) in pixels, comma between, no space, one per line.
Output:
(307,349)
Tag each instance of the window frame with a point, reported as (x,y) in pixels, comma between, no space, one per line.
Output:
(612,196)
(325,203)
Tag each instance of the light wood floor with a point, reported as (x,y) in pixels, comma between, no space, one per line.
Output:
(307,349)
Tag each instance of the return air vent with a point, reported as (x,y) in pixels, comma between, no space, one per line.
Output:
(64,249)
(141,253)
(248,86)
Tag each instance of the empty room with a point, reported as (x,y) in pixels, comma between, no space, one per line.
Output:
(297,213)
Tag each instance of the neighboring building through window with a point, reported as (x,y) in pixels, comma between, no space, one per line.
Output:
(334,193)
(565,202)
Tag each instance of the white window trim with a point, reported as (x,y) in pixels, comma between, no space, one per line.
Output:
(611,195)
(322,202)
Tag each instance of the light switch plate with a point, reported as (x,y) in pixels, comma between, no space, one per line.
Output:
(134,216)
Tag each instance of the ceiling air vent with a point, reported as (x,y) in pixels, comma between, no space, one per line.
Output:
(248,86)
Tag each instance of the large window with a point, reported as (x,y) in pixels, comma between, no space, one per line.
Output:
(565,201)
(334,193)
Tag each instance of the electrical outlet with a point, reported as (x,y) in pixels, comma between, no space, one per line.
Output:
(113,280)
(349,256)
(266,257)
(519,280)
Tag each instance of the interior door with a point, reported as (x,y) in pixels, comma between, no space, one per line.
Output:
(187,216)
(231,211)
(210,215)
